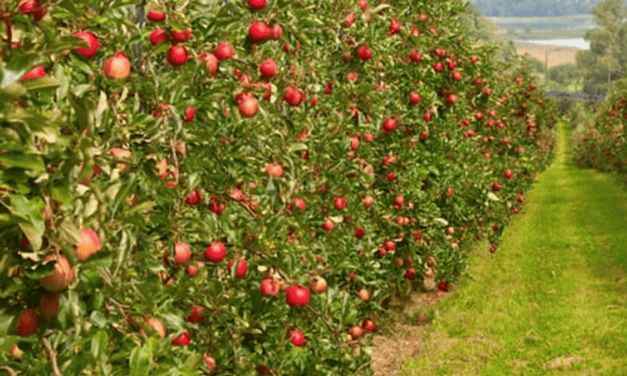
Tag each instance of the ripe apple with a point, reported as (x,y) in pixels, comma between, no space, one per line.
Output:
(209,362)
(157,36)
(248,105)
(297,338)
(389,125)
(368,325)
(92,42)
(242,267)
(508,174)
(438,67)
(300,203)
(363,294)
(155,16)
(177,55)
(328,225)
(182,339)
(117,66)
(33,8)
(181,36)
(211,63)
(49,305)
(350,20)
(451,99)
(415,56)
(258,32)
(443,286)
(194,198)
(317,284)
(339,203)
(276,32)
(410,274)
(269,287)
(27,323)
(224,51)
(216,252)
(88,244)
(496,187)
(294,96)
(492,249)
(197,315)
(267,68)
(297,296)
(62,275)
(368,201)
(182,253)
(360,232)
(355,331)
(34,73)
(190,113)
(257,4)
(364,53)
(363,4)
(414,98)
(274,169)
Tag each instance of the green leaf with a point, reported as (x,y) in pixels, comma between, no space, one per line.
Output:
(99,343)
(41,84)
(26,161)
(140,360)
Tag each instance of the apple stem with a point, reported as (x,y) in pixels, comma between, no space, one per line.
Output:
(52,356)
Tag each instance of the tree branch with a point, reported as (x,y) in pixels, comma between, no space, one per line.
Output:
(8,370)
(52,356)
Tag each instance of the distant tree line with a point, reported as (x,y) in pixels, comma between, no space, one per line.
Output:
(533,8)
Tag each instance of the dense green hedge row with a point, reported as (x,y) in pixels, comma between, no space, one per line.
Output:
(237,206)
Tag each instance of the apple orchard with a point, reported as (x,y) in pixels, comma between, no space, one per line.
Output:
(241,187)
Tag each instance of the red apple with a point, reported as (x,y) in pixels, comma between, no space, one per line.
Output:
(297,338)
(267,68)
(508,174)
(360,232)
(155,16)
(183,339)
(443,286)
(355,331)
(181,36)
(216,252)
(274,169)
(363,294)
(34,73)
(33,8)
(276,32)
(297,296)
(258,32)
(62,275)
(339,203)
(211,63)
(415,56)
(294,96)
(414,98)
(317,284)
(177,55)
(92,43)
(389,125)
(368,325)
(27,323)
(224,51)
(88,244)
(197,315)
(410,274)
(364,53)
(117,66)
(248,105)
(209,362)
(368,201)
(496,187)
(194,198)
(49,305)
(182,253)
(190,113)
(157,36)
(328,225)
(269,287)
(242,267)
(257,4)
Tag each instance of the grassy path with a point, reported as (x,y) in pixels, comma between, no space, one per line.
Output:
(553,300)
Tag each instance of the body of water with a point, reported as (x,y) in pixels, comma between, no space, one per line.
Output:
(572,42)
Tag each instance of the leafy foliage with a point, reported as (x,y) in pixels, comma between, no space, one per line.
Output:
(149,203)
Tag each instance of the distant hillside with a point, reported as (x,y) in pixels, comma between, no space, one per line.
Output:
(533,8)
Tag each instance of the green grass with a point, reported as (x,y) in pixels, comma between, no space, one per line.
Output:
(553,299)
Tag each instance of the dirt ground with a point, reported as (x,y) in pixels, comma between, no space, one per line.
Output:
(564,55)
